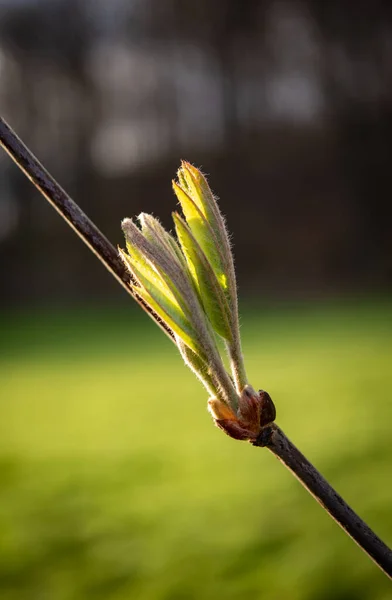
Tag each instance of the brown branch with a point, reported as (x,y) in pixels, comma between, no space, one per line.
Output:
(70,212)
(273,438)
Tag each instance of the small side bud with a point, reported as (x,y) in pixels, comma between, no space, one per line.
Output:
(267,409)
(249,408)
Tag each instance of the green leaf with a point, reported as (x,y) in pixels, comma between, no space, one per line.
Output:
(157,234)
(212,296)
(196,186)
(154,260)
(153,291)
(199,367)
(179,327)
(203,233)
(135,259)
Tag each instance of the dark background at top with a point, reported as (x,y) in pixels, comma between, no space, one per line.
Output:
(286,105)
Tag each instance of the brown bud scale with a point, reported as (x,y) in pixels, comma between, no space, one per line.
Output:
(256,411)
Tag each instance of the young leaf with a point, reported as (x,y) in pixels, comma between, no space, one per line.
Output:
(199,367)
(156,294)
(203,233)
(161,260)
(212,296)
(157,234)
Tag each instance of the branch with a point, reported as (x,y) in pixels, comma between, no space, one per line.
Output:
(71,213)
(273,438)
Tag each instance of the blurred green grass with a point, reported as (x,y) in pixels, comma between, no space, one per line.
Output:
(114,483)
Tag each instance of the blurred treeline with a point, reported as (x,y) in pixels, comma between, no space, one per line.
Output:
(287,105)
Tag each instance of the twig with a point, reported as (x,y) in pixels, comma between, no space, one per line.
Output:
(70,212)
(271,437)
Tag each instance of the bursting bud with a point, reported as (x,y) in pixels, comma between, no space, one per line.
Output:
(256,410)
(188,283)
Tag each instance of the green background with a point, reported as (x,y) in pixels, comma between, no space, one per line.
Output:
(114,483)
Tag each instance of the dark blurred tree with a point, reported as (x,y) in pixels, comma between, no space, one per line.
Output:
(55,112)
(221,29)
(357,68)
(316,188)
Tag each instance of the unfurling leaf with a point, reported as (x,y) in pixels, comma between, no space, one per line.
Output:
(212,296)
(189,283)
